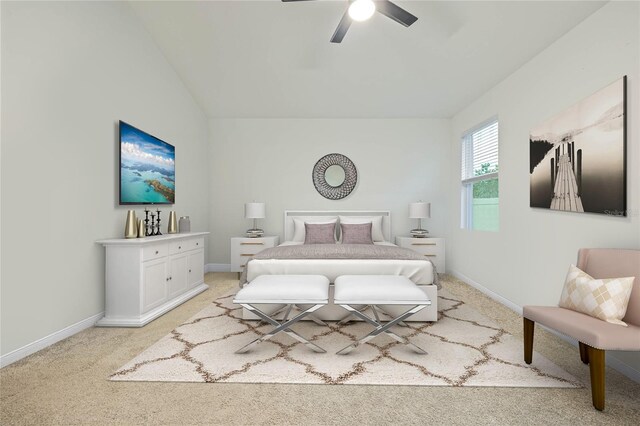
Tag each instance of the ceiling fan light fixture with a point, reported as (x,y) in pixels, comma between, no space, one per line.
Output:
(361,10)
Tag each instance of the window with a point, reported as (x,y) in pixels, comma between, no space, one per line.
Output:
(480,177)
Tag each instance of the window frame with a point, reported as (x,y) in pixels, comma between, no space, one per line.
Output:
(466,184)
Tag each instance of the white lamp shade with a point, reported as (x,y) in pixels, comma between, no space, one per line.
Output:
(254,210)
(419,210)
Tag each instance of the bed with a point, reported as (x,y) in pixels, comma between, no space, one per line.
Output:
(418,269)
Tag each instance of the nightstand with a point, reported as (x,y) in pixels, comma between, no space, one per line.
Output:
(432,248)
(242,248)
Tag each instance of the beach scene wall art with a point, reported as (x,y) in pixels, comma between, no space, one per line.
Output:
(577,159)
(147,168)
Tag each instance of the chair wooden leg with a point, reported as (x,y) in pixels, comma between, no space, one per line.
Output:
(596,368)
(529,327)
(584,352)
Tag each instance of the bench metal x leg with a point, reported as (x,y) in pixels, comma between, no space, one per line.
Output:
(312,317)
(401,323)
(284,327)
(347,319)
(382,328)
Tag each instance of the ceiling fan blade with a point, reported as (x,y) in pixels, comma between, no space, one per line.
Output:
(395,12)
(343,26)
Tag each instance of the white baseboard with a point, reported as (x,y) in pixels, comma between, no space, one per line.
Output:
(49,340)
(142,320)
(217,267)
(495,296)
(612,362)
(624,368)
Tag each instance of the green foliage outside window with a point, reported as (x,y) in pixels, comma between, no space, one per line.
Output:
(486,188)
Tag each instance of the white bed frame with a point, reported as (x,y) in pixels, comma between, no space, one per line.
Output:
(289,215)
(332,312)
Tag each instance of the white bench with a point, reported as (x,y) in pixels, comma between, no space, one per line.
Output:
(290,290)
(373,290)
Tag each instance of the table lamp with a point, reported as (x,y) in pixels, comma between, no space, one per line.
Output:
(419,211)
(254,211)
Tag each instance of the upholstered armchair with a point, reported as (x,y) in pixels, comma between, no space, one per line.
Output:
(594,335)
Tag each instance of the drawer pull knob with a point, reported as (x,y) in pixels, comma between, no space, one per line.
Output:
(179,247)
(157,251)
(189,270)
(197,244)
(167,279)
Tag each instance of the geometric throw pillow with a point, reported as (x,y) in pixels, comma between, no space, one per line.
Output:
(606,299)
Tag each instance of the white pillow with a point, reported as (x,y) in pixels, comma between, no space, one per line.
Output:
(298,227)
(376,225)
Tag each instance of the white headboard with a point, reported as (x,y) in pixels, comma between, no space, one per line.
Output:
(305,214)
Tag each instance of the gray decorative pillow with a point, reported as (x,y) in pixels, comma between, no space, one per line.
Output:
(319,233)
(356,233)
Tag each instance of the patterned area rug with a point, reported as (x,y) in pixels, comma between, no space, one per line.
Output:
(464,348)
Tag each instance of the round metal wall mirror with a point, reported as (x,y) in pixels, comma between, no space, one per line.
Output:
(334,176)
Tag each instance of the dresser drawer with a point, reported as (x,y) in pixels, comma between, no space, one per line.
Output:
(176,247)
(180,246)
(154,251)
(194,243)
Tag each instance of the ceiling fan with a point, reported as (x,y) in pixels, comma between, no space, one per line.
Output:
(361,10)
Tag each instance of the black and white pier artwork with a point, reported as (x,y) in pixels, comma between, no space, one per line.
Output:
(577,159)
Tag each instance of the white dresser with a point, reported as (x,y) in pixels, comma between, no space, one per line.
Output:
(147,277)
(242,248)
(432,248)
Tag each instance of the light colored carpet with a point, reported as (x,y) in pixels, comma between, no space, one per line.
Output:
(465,349)
(66,384)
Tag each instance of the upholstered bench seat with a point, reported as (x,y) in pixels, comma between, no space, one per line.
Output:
(377,290)
(354,290)
(287,289)
(591,331)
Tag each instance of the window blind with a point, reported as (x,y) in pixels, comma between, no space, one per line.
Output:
(480,147)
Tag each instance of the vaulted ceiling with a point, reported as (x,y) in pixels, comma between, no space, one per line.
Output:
(274,59)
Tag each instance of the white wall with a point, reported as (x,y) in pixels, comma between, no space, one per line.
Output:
(270,160)
(70,70)
(526,261)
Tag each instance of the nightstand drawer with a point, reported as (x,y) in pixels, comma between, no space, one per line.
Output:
(431,248)
(242,249)
(424,248)
(246,249)
(239,267)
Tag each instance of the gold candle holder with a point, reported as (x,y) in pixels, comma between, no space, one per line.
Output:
(172,227)
(131,227)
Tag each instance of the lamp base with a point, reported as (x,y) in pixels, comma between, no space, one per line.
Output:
(419,233)
(255,233)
